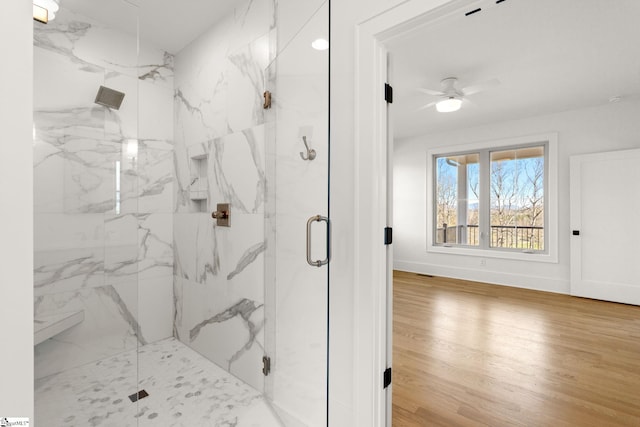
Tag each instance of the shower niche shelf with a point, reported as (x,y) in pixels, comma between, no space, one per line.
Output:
(50,325)
(199,187)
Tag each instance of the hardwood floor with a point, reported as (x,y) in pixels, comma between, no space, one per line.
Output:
(472,354)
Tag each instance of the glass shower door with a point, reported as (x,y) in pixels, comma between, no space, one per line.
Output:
(297,225)
(86,218)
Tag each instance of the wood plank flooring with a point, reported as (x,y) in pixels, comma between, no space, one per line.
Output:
(472,354)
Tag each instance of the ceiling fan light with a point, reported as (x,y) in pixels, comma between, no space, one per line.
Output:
(448,105)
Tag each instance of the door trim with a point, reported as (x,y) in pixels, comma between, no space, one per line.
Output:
(371,303)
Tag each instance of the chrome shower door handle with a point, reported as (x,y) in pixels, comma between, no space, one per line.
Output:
(318,218)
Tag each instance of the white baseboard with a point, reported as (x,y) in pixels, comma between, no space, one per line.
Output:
(526,281)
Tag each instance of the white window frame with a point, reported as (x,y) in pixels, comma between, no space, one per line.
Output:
(550,254)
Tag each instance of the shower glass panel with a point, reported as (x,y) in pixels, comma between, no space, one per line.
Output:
(296,293)
(221,324)
(86,191)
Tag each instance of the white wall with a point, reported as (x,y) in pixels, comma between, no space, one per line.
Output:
(16,216)
(605,128)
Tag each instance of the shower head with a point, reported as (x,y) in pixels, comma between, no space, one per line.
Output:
(110,98)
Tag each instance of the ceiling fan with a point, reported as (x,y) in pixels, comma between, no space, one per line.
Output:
(451,97)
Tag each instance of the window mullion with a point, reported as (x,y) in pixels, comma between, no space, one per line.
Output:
(545,198)
(484,200)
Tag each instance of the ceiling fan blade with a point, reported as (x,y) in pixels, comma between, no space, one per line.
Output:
(424,107)
(430,91)
(480,87)
(468,102)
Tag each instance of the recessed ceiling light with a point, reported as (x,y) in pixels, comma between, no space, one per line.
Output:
(449,105)
(320,44)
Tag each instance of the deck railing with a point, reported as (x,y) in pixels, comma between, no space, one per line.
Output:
(502,236)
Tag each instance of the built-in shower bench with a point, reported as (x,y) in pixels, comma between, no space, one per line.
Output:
(50,325)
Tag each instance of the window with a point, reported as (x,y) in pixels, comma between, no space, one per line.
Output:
(493,199)
(457,199)
(516,184)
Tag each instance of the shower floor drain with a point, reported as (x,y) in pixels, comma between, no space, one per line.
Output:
(139,395)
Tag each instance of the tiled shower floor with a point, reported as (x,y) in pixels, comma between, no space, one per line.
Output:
(185,389)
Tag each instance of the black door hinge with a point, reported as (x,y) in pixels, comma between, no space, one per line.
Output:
(388,235)
(387,377)
(388,93)
(266,365)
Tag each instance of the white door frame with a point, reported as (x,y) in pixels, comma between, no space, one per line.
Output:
(371,178)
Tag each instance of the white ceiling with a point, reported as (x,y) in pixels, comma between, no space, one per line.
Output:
(549,56)
(168,24)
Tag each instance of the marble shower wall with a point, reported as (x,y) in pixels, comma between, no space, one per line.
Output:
(103,190)
(220,157)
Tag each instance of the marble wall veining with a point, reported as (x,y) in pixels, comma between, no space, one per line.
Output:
(220,152)
(103,190)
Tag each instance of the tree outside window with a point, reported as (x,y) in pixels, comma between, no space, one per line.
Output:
(514,205)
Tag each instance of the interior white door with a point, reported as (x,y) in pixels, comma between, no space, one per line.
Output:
(605,201)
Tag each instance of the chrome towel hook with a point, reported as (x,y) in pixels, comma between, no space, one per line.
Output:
(311,153)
